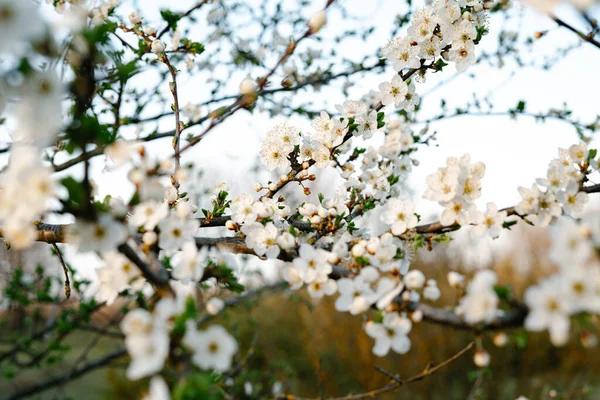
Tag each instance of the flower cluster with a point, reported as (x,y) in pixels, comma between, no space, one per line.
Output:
(147,339)
(575,288)
(278,144)
(456,187)
(263,224)
(27,188)
(213,348)
(400,215)
(390,333)
(118,274)
(446,30)
(561,185)
(480,304)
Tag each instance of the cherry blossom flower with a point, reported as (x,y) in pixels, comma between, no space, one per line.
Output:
(158,390)
(148,214)
(188,265)
(174,232)
(390,334)
(102,235)
(212,348)
(400,215)
(548,309)
(490,222)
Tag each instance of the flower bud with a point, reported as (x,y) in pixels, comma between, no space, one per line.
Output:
(158,46)
(258,187)
(358,250)
(183,209)
(149,30)
(417,316)
(214,305)
(482,358)
(455,279)
(500,339)
(316,22)
(247,86)
(230,225)
(171,194)
(135,18)
(149,238)
(588,339)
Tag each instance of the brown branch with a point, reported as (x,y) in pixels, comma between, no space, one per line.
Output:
(156,274)
(588,38)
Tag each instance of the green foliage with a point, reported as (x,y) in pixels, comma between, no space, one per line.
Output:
(439,65)
(418,242)
(171,18)
(76,193)
(197,386)
(190,312)
(380,119)
(443,238)
(193,47)
(100,34)
(504,292)
(220,204)
(225,277)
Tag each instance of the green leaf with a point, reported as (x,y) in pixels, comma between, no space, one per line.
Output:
(439,65)
(504,292)
(508,224)
(419,242)
(126,71)
(75,190)
(193,47)
(442,238)
(197,386)
(521,338)
(368,205)
(361,260)
(592,154)
(171,18)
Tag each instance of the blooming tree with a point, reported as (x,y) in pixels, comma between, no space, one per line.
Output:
(89,80)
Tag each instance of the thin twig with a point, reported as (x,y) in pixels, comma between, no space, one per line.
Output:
(65,270)
(588,38)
